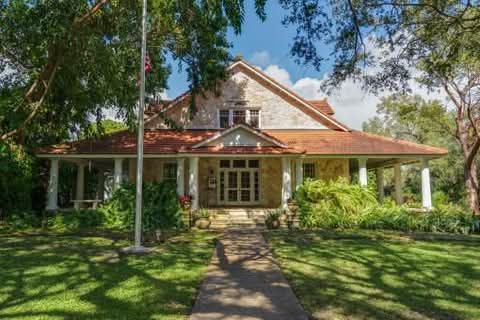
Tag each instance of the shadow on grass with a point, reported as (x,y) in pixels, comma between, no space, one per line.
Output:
(392,277)
(73,277)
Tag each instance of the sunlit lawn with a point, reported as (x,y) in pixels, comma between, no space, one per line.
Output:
(70,277)
(381,276)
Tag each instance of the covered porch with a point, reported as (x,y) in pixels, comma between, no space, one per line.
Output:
(233,180)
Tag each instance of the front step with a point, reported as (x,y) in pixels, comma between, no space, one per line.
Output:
(238,218)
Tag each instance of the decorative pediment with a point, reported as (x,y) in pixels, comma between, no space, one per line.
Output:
(240,135)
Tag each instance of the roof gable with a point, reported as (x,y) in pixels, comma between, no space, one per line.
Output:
(240,135)
(309,109)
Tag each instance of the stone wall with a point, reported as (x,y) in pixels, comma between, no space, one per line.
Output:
(207,167)
(327,169)
(153,170)
(271,182)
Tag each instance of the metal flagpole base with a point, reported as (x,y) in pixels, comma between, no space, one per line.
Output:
(136,250)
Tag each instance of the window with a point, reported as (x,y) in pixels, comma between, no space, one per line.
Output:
(231,117)
(224,163)
(309,170)
(170,171)
(254,118)
(253,163)
(239,163)
(239,116)
(224,118)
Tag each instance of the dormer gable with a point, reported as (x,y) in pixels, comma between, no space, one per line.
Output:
(240,136)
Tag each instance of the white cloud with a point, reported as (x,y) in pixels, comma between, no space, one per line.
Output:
(279,74)
(351,103)
(261,58)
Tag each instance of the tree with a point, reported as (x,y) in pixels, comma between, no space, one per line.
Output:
(414,119)
(397,40)
(97,129)
(389,35)
(62,62)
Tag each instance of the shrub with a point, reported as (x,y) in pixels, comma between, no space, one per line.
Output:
(161,207)
(444,218)
(16,168)
(332,204)
(22,220)
(75,220)
(338,204)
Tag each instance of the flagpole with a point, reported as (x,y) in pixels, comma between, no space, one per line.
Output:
(141,108)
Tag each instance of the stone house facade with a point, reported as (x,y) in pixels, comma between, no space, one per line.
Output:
(251,146)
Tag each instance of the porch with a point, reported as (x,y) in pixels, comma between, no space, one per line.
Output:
(234,180)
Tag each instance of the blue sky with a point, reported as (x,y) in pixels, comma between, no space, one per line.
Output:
(267,45)
(261,43)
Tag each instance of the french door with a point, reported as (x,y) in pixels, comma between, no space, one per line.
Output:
(239,182)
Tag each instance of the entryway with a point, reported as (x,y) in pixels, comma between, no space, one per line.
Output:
(239,182)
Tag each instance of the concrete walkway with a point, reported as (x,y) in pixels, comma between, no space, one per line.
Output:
(244,282)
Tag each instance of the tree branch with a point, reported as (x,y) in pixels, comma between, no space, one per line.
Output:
(37,105)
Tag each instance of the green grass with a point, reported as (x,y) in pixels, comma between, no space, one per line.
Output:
(72,277)
(374,275)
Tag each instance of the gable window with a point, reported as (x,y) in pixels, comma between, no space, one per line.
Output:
(170,171)
(309,170)
(224,116)
(231,117)
(254,120)
(239,116)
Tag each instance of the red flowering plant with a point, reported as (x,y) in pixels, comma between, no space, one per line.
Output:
(185,201)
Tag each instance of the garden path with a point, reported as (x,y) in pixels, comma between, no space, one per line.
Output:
(244,282)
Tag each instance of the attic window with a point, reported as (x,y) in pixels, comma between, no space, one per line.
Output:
(231,117)
(224,118)
(239,116)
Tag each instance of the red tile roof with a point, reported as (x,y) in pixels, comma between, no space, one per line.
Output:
(125,142)
(322,106)
(321,142)
(244,150)
(330,142)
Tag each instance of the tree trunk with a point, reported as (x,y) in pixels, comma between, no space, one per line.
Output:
(471,186)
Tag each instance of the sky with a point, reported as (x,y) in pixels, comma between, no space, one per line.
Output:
(267,45)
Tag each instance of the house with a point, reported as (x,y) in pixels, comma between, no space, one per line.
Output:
(249,147)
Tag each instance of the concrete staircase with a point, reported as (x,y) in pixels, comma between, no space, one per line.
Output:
(238,218)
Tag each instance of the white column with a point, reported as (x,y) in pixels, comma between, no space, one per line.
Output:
(298,173)
(362,172)
(286,181)
(180,176)
(193,181)
(52,203)
(426,192)
(101,185)
(380,184)
(117,173)
(80,189)
(398,183)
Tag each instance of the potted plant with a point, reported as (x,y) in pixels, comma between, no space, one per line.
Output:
(292,205)
(202,218)
(273,219)
(186,204)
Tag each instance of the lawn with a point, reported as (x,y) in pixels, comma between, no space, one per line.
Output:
(372,275)
(73,277)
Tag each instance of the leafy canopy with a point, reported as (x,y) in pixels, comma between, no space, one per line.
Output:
(63,62)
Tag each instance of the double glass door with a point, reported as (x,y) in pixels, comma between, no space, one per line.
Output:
(239,182)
